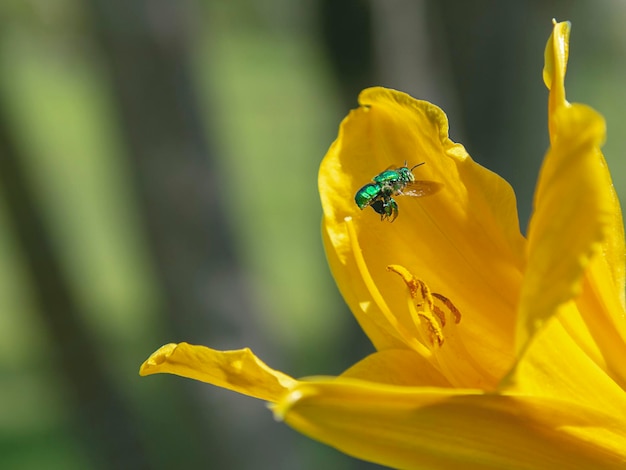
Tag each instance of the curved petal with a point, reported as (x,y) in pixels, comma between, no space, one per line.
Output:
(555,367)
(555,66)
(605,318)
(577,215)
(602,302)
(464,241)
(613,258)
(429,428)
(572,214)
(556,56)
(240,370)
(359,290)
(397,367)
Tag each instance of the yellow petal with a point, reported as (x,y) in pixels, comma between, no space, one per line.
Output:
(602,301)
(613,258)
(463,241)
(556,367)
(555,66)
(588,222)
(605,318)
(360,292)
(397,367)
(240,370)
(571,217)
(429,428)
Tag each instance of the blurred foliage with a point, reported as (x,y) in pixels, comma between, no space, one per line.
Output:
(271,81)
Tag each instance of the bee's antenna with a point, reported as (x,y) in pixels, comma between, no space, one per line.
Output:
(415,166)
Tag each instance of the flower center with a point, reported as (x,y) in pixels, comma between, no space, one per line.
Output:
(435,318)
(434,335)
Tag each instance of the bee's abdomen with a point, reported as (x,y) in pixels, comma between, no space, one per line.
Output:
(366,195)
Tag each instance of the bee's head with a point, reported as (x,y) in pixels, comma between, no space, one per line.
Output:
(406,173)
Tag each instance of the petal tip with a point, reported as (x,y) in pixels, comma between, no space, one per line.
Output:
(151,365)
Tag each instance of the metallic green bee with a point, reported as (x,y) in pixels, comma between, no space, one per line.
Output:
(393,182)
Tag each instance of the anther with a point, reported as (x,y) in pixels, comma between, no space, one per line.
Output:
(455,312)
(425,312)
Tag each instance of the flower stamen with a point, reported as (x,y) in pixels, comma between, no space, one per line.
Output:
(424,312)
(448,303)
(431,314)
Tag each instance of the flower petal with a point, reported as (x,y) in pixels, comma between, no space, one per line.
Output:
(571,218)
(430,428)
(602,303)
(359,290)
(464,241)
(613,259)
(240,370)
(555,66)
(577,216)
(556,55)
(605,318)
(397,367)
(556,367)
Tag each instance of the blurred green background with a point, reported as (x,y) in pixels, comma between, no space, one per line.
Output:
(158,172)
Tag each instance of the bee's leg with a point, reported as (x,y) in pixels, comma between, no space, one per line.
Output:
(392,209)
(379,207)
(385,208)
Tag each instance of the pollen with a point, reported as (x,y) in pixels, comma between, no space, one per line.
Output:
(430,311)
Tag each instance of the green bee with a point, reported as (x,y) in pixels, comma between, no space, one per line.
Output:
(393,182)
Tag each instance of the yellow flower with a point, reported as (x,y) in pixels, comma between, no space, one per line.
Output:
(493,350)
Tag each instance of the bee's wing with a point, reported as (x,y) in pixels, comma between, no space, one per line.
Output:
(422,188)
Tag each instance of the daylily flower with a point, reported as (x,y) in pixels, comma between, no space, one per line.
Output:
(493,350)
